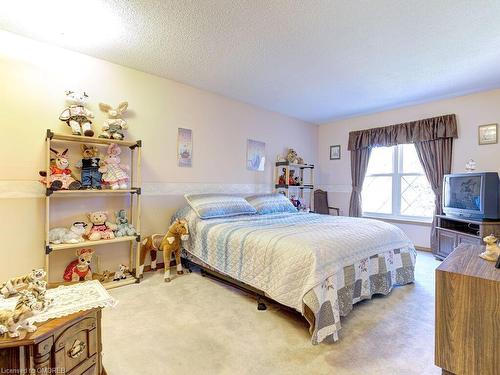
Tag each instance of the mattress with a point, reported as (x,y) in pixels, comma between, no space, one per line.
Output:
(320,265)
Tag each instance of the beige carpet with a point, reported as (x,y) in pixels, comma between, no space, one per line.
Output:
(196,325)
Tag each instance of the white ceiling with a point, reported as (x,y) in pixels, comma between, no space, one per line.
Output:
(314,60)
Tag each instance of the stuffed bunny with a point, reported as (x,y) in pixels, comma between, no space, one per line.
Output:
(76,115)
(60,176)
(114,126)
(113,173)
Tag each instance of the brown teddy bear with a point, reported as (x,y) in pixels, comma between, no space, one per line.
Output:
(80,268)
(99,227)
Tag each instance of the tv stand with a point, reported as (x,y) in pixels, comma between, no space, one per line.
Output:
(454,230)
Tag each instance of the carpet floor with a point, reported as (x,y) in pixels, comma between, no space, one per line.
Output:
(196,325)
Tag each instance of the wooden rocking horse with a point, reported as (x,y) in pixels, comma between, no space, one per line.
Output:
(170,243)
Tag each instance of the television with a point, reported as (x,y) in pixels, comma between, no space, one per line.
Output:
(472,195)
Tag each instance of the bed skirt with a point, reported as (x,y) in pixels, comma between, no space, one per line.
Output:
(335,296)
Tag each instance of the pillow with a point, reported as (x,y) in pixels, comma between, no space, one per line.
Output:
(271,203)
(208,206)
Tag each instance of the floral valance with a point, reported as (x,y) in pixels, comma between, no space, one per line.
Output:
(409,132)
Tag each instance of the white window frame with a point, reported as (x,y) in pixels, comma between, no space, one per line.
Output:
(397,166)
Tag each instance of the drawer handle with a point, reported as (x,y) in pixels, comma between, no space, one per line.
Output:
(77,349)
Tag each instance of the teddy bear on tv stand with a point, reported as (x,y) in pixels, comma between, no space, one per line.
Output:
(76,115)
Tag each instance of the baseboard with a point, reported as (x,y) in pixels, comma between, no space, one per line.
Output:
(423,248)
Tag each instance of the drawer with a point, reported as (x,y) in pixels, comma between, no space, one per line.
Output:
(76,346)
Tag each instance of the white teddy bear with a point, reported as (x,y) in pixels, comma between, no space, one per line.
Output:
(76,115)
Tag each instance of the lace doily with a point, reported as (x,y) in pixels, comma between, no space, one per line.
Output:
(69,299)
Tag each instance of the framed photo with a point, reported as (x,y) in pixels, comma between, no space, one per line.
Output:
(487,134)
(256,155)
(335,152)
(184,147)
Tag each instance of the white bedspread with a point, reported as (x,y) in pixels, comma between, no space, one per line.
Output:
(286,255)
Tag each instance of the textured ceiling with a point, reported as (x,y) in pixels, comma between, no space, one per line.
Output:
(314,60)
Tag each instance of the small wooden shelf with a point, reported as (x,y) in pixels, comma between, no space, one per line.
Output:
(91,243)
(93,192)
(294,165)
(94,140)
(277,186)
(133,195)
(107,285)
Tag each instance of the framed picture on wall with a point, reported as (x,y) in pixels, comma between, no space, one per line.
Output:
(256,155)
(184,147)
(487,134)
(335,152)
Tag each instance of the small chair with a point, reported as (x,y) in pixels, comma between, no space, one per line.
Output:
(321,203)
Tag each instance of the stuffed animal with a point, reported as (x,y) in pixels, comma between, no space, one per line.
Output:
(60,177)
(492,252)
(76,115)
(123,228)
(120,273)
(292,156)
(150,245)
(12,321)
(171,244)
(38,288)
(114,174)
(71,235)
(14,285)
(99,227)
(282,177)
(114,126)
(89,165)
(80,267)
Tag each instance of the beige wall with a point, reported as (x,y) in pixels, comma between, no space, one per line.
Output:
(33,78)
(471,111)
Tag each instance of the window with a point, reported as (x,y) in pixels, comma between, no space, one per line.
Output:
(396,186)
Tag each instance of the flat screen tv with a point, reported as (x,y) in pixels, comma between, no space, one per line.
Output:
(472,195)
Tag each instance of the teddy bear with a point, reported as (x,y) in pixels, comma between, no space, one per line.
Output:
(113,173)
(76,115)
(80,267)
(99,227)
(123,227)
(114,126)
(60,176)
(89,166)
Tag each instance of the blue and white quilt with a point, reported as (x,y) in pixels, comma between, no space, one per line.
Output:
(306,261)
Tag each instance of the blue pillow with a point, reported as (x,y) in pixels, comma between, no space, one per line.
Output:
(208,206)
(271,203)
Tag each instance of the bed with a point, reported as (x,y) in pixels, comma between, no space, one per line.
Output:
(319,265)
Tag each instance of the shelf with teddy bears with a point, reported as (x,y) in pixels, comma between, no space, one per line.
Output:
(292,181)
(99,171)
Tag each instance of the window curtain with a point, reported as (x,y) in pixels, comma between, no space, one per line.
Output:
(359,165)
(435,157)
(433,139)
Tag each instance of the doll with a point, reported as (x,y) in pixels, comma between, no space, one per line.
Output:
(113,173)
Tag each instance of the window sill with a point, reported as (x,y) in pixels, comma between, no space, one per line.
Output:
(401,220)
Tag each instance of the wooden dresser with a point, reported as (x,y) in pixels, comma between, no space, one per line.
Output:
(467,314)
(70,345)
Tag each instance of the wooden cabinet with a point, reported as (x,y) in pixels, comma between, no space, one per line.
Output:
(69,345)
(453,231)
(467,313)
